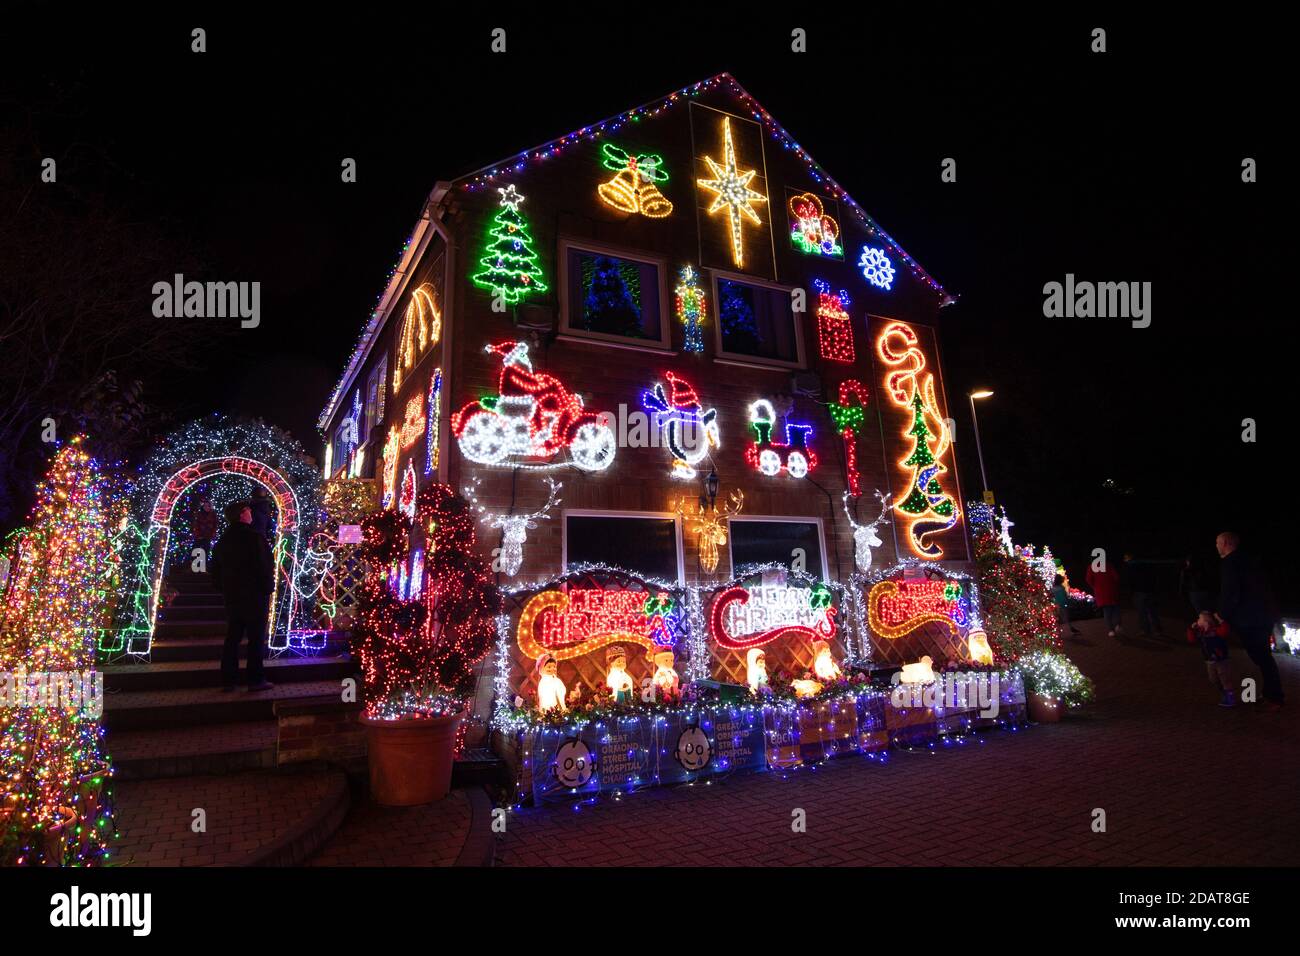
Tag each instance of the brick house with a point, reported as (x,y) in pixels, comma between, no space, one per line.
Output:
(568,264)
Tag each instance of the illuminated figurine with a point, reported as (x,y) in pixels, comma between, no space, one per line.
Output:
(551,691)
(806,687)
(919,673)
(824,665)
(756,669)
(666,682)
(618,680)
(977,645)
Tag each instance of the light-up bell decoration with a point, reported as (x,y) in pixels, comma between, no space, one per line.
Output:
(755,669)
(633,187)
(617,678)
(551,692)
(731,192)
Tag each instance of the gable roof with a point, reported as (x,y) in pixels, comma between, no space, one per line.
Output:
(520,162)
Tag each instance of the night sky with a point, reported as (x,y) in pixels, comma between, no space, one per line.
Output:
(1116,167)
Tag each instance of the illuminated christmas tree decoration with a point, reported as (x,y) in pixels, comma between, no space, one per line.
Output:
(434,417)
(812,231)
(742,618)
(55,805)
(421,329)
(764,453)
(731,191)
(406,501)
(711,526)
(531,421)
(514,528)
(865,537)
(924,497)
(509,266)
(876,268)
(633,188)
(896,608)
(691,309)
(834,329)
(391,449)
(690,432)
(413,423)
(849,416)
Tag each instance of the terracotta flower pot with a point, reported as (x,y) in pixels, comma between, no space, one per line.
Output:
(1044,709)
(410,758)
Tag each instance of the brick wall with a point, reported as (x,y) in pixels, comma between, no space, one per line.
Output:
(318,729)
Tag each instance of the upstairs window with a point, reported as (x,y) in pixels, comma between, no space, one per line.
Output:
(643,544)
(614,297)
(755,321)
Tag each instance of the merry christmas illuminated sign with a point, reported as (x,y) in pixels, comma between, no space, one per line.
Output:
(574,621)
(742,618)
(231,465)
(895,608)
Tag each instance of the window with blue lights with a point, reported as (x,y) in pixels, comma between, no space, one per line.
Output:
(756,321)
(615,297)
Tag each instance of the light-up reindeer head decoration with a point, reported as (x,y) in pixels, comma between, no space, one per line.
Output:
(864,535)
(514,528)
(711,525)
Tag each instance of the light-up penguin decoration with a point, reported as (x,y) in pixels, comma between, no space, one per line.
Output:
(690,431)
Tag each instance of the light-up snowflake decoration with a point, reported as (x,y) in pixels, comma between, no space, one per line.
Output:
(877,268)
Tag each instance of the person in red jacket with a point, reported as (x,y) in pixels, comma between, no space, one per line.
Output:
(1212,635)
(1105,590)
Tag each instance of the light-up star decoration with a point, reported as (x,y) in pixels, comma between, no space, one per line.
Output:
(510,197)
(731,188)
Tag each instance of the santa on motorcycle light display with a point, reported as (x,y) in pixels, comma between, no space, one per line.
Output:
(532,420)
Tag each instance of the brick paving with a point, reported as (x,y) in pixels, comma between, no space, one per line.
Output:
(1182,782)
(372,835)
(201,739)
(247,813)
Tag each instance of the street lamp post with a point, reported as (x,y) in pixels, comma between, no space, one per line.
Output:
(979,393)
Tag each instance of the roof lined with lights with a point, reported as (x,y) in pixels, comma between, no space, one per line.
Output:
(495,174)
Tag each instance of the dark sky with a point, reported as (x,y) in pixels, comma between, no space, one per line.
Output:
(1123,167)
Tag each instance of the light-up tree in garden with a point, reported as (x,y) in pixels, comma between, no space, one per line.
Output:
(53,807)
(509,263)
(1019,616)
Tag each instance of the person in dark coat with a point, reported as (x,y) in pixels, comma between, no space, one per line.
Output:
(1246,603)
(262,508)
(1194,583)
(1141,579)
(244,572)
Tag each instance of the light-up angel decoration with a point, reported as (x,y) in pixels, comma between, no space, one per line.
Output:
(711,525)
(514,528)
(864,535)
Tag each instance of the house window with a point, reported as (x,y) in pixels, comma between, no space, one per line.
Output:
(613,296)
(644,544)
(755,321)
(767,541)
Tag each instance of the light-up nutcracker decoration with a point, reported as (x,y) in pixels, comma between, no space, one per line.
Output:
(514,528)
(865,537)
(834,328)
(531,421)
(633,188)
(928,509)
(765,452)
(692,306)
(850,416)
(690,431)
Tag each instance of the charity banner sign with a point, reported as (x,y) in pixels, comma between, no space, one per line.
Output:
(571,621)
(741,618)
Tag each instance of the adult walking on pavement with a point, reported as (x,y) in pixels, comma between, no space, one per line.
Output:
(243,570)
(1105,591)
(1247,604)
(1142,582)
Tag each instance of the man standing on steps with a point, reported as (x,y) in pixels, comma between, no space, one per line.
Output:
(243,570)
(1246,603)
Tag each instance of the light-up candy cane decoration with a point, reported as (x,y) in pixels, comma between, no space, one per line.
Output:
(711,526)
(681,413)
(864,535)
(849,416)
(514,528)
